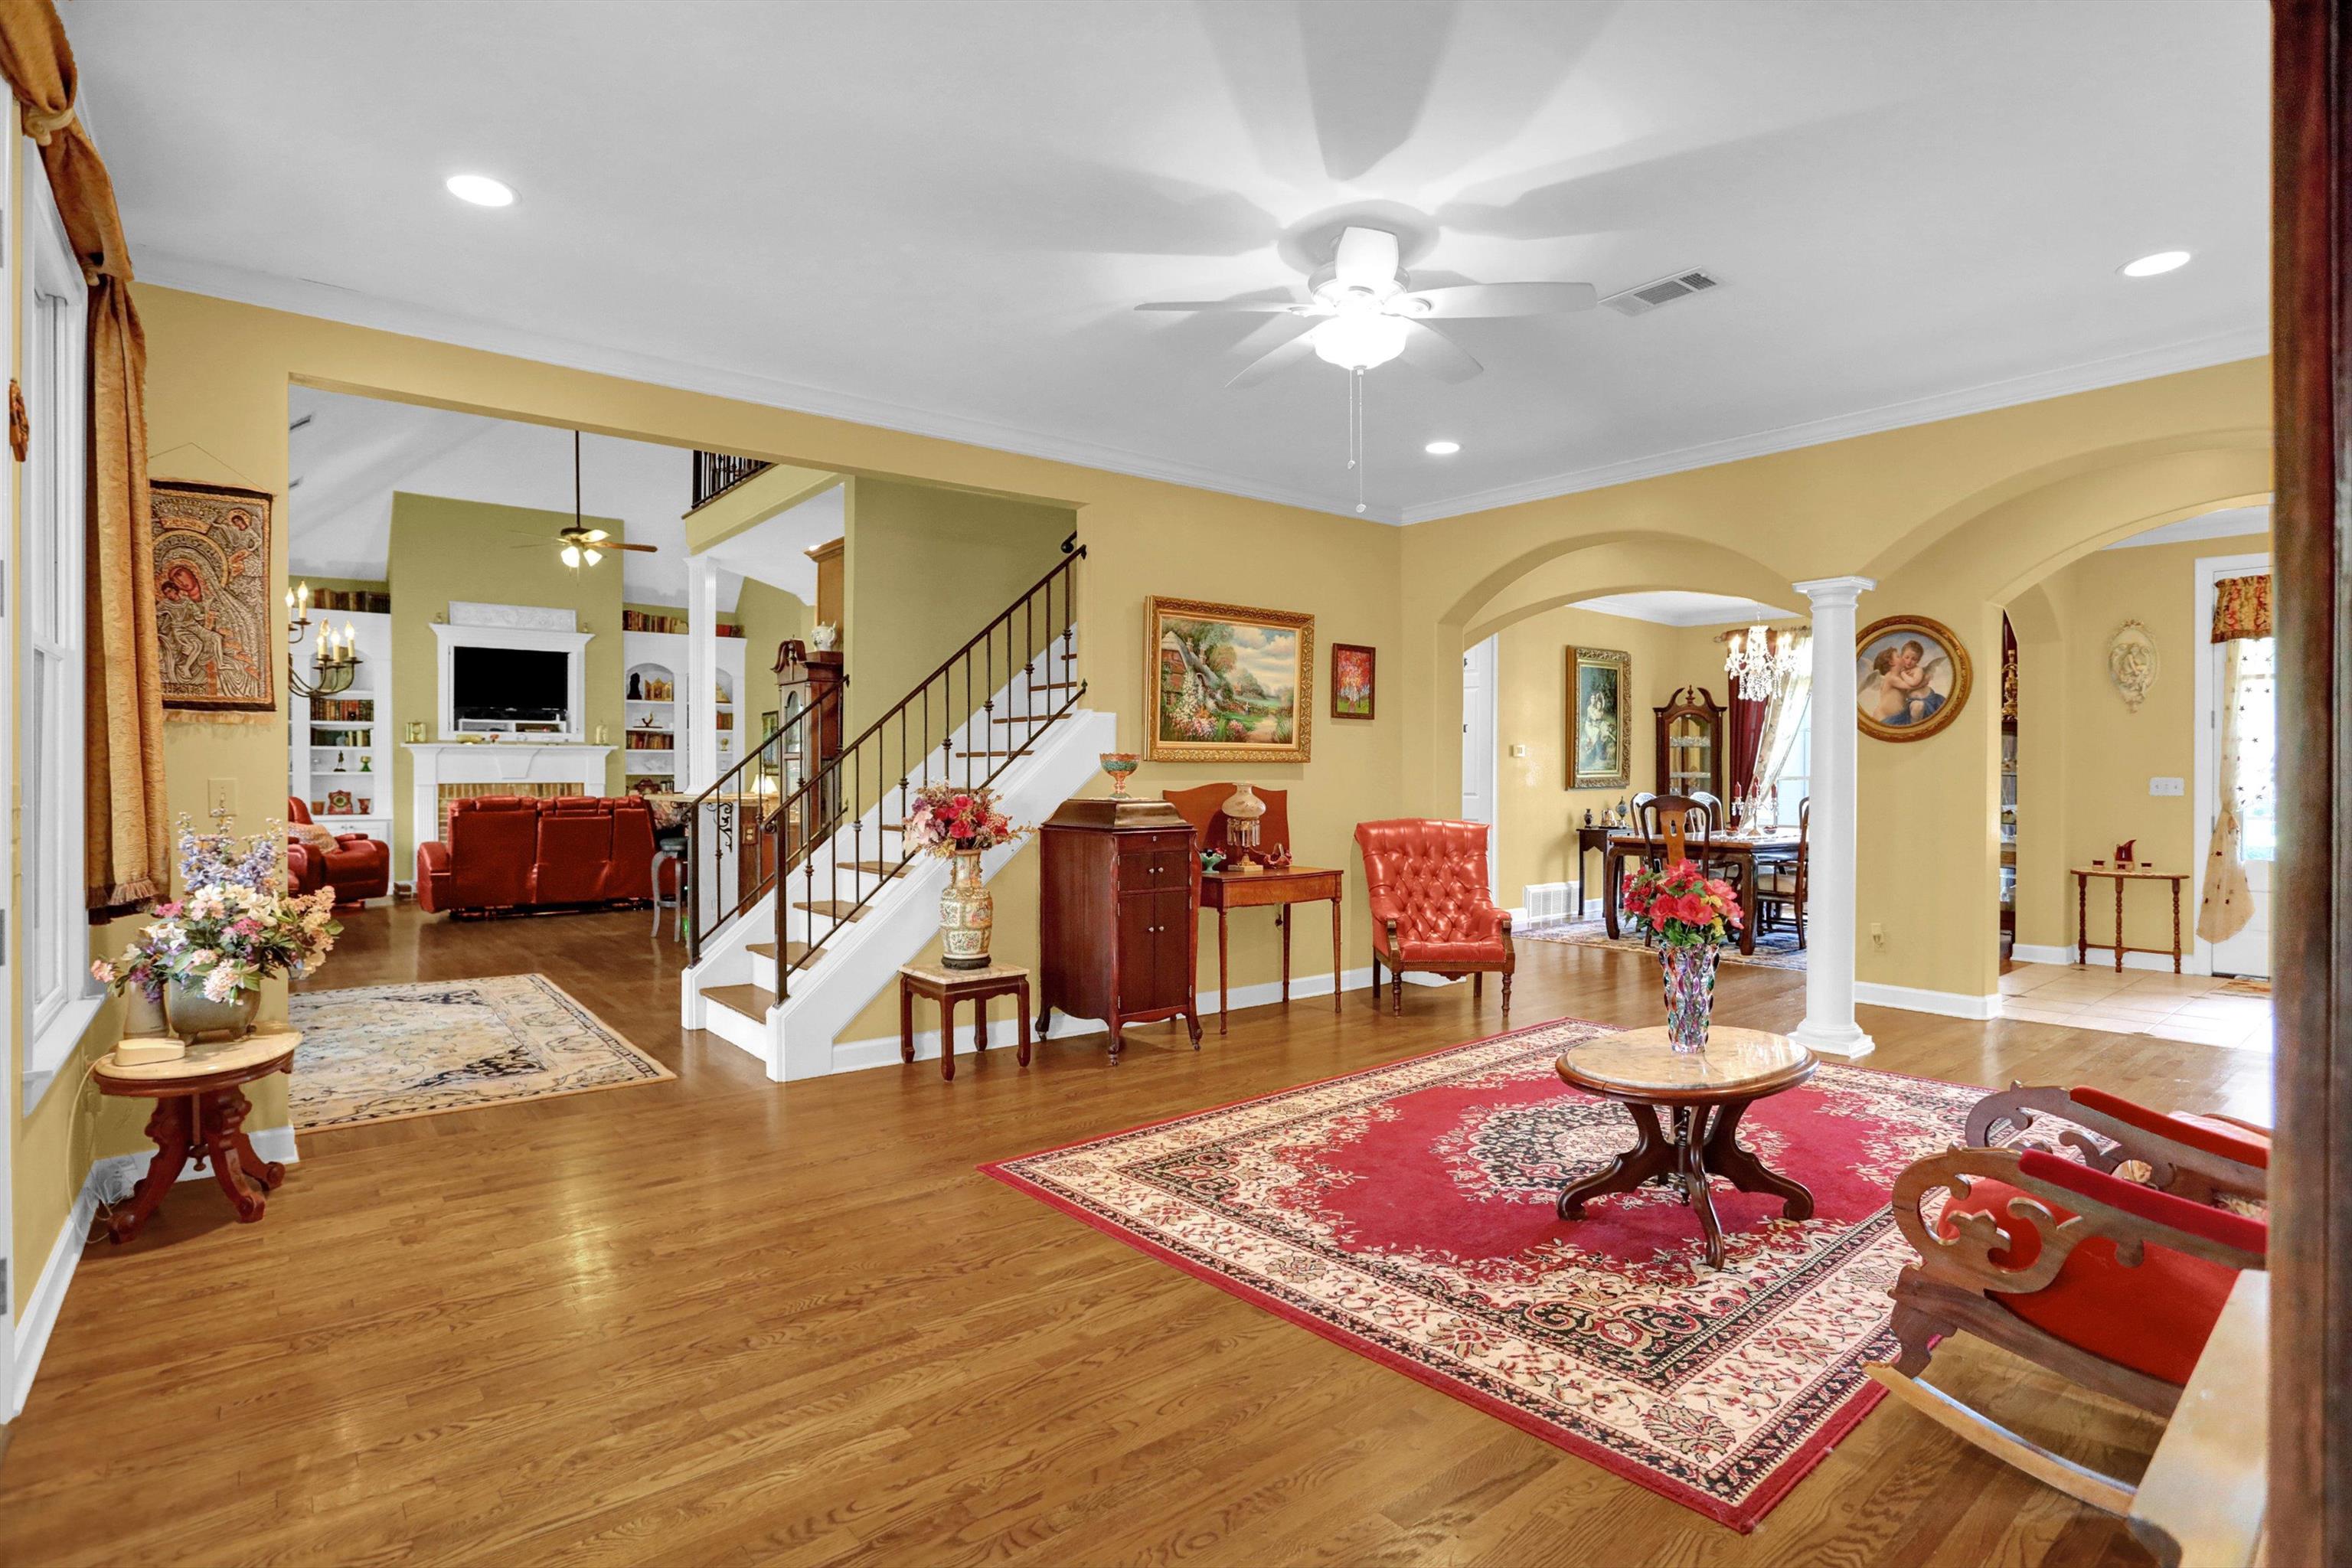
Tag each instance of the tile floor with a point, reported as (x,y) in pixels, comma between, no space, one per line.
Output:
(2170,1006)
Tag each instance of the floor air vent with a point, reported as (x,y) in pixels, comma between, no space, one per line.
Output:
(1664,292)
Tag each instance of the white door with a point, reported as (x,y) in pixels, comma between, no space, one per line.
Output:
(1478,744)
(2249,951)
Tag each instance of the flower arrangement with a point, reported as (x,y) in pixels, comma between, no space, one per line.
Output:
(948,820)
(1681,906)
(234,926)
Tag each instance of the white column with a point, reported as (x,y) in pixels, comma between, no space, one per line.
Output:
(697,717)
(1829,1026)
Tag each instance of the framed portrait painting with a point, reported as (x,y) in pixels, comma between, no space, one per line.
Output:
(1599,702)
(1911,676)
(216,625)
(1225,683)
(1353,687)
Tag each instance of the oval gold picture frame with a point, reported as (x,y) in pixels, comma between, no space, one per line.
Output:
(1948,704)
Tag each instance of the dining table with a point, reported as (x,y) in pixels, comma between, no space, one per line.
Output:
(1744,851)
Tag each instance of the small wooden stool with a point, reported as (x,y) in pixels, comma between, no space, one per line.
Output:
(200,1110)
(949,986)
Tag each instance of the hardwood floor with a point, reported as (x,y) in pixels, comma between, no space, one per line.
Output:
(717,1320)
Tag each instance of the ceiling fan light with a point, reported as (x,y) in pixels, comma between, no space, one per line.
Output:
(1360,342)
(572,556)
(593,555)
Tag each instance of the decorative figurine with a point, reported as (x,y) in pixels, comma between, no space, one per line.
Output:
(1588,816)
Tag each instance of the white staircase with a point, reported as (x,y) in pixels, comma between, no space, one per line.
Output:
(835,967)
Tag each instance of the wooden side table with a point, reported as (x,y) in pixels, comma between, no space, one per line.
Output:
(1278,888)
(949,986)
(200,1109)
(2122,874)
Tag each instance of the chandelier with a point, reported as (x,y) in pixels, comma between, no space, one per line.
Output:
(1760,658)
(334,659)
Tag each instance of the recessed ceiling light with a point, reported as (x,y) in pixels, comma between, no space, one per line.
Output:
(481,190)
(1442,449)
(2149,266)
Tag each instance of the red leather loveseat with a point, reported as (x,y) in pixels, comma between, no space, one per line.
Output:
(1431,909)
(357,868)
(515,853)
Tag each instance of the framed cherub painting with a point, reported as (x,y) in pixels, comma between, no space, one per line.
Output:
(1911,678)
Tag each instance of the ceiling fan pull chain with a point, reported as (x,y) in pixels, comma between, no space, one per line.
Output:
(1358,464)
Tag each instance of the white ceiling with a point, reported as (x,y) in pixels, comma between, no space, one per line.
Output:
(1678,607)
(776,550)
(937,216)
(2226,524)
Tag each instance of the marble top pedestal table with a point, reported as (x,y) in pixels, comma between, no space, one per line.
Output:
(1705,1093)
(200,1110)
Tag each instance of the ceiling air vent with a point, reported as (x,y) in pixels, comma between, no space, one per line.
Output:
(1664,292)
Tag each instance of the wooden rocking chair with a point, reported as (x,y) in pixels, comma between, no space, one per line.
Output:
(2110,1283)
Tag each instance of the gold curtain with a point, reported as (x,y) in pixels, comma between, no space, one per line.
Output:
(125,854)
(2241,607)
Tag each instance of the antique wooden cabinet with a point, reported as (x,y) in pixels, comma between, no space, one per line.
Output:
(1692,744)
(1118,938)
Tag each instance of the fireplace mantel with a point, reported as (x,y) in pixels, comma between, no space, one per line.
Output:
(435,763)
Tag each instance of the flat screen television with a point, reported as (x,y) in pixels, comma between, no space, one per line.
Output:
(524,685)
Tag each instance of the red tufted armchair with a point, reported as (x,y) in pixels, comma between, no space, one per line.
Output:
(1430,909)
(357,868)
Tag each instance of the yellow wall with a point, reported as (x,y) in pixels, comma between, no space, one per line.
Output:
(768,616)
(2104,755)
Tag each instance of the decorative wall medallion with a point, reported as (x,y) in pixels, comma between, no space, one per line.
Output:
(2132,663)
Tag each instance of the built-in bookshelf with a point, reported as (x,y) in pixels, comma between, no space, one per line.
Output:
(654,727)
(340,747)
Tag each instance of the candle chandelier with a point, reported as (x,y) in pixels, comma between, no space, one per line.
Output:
(334,658)
(1759,658)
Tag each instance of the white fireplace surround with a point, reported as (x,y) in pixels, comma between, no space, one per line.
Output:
(537,638)
(493,762)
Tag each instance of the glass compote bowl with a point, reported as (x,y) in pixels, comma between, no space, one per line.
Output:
(1118,764)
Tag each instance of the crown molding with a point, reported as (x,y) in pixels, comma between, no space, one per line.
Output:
(305,297)
(2198,354)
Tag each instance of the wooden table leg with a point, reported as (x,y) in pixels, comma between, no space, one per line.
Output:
(2176,925)
(1220,969)
(220,1115)
(170,1125)
(1742,1168)
(2119,925)
(1021,998)
(2082,920)
(1335,955)
(1748,926)
(1653,1156)
(1282,919)
(906,1021)
(1692,1163)
(1608,863)
(979,1030)
(947,1036)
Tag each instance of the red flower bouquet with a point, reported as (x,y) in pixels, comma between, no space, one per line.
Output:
(946,818)
(1681,907)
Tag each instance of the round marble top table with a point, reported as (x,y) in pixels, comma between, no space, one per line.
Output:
(1705,1093)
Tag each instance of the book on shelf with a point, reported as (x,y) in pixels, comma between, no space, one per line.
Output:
(673,626)
(349,710)
(351,599)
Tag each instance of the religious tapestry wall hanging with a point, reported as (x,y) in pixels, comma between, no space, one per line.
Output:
(216,637)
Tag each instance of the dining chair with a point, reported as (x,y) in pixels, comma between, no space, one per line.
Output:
(1784,878)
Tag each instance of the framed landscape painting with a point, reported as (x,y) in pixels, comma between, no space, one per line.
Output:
(1225,683)
(1599,689)
(1352,689)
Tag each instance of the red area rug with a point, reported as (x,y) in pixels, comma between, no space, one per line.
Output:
(1406,1212)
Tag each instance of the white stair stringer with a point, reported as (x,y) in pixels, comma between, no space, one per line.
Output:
(861,958)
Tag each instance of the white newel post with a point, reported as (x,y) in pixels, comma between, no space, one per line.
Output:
(696,715)
(1829,1026)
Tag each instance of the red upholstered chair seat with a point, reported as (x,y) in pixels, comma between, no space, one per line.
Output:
(357,868)
(2153,1318)
(1430,877)
(516,852)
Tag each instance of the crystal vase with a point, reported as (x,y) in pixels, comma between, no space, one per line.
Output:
(1689,974)
(967,914)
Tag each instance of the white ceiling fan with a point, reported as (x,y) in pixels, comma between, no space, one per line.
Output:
(1367,313)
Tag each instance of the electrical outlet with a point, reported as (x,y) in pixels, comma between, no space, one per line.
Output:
(220,795)
(2166,786)
(1877,934)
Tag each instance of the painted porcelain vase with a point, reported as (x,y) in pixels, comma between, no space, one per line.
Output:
(194,1017)
(967,914)
(1689,974)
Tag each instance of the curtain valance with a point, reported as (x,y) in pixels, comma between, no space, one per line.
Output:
(2241,607)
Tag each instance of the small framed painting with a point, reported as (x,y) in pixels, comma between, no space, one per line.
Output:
(1352,687)
(1225,683)
(1911,676)
(1599,687)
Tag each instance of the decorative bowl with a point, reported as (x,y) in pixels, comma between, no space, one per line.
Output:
(1118,764)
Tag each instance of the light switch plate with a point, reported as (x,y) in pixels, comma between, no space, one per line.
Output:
(2166,786)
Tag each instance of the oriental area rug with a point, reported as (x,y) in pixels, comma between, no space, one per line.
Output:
(1406,1213)
(1775,949)
(382,1053)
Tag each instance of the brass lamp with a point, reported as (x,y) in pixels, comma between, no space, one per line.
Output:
(334,659)
(1244,814)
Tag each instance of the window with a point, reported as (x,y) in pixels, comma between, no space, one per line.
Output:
(2256,696)
(60,997)
(1796,779)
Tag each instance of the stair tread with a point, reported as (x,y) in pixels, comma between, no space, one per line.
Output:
(877,869)
(751,1001)
(799,954)
(1029,718)
(840,909)
(1015,751)
(1054,686)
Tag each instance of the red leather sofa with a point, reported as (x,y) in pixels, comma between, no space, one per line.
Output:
(512,852)
(1431,909)
(357,868)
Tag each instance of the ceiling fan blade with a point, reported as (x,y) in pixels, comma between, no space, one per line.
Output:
(1503,300)
(1432,352)
(1365,259)
(1224,307)
(1280,358)
(619,545)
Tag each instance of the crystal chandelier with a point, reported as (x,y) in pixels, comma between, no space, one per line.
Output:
(1760,658)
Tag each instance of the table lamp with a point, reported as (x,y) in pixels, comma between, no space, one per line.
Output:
(1243,812)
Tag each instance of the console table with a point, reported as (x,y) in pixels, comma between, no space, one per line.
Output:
(1277,887)
(200,1110)
(2122,874)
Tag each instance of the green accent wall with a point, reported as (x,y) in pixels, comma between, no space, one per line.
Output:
(472,551)
(768,616)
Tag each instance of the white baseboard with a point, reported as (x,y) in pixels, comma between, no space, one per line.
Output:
(110,1180)
(2104,958)
(1943,1003)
